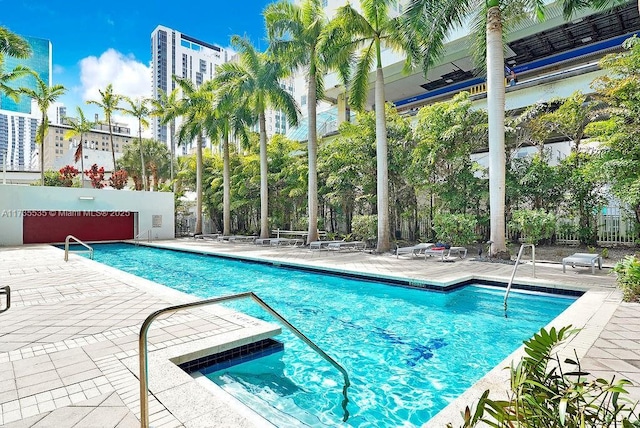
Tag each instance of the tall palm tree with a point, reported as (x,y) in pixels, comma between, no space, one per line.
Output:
(195,107)
(109,104)
(44,96)
(166,109)
(138,108)
(255,79)
(13,45)
(79,127)
(425,25)
(295,33)
(229,118)
(364,35)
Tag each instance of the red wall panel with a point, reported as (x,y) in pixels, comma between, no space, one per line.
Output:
(42,227)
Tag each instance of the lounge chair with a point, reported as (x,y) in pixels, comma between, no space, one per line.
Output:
(414,250)
(237,238)
(323,245)
(436,251)
(347,245)
(583,259)
(204,236)
(262,241)
(460,251)
(286,241)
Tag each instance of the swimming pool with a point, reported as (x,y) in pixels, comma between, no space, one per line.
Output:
(408,352)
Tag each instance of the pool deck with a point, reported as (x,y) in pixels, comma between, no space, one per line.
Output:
(69,342)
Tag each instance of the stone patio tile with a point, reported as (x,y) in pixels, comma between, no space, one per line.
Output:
(103,417)
(63,417)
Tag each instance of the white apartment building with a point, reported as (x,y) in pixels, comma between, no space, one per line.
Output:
(175,53)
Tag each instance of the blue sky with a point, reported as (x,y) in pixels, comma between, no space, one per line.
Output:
(96,43)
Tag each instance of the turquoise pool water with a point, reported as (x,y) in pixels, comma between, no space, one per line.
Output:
(408,352)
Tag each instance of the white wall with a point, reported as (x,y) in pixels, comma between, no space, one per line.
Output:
(15,198)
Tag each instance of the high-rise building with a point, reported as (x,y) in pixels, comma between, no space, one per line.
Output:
(175,53)
(19,120)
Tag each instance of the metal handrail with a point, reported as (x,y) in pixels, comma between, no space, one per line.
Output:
(142,344)
(515,267)
(148,232)
(66,247)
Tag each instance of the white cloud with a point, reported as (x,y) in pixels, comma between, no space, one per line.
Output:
(128,76)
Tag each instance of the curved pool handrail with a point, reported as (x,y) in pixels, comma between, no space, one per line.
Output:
(66,247)
(142,347)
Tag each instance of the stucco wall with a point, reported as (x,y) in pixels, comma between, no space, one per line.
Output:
(15,199)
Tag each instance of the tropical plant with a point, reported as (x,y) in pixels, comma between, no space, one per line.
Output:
(118,179)
(166,108)
(362,36)
(66,176)
(295,32)
(455,229)
(627,271)
(139,109)
(109,102)
(425,25)
(534,225)
(79,127)
(619,153)
(13,45)
(96,176)
(365,227)
(545,394)
(255,78)
(229,118)
(196,105)
(44,96)
(6,78)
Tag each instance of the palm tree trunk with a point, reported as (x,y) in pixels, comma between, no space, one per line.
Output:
(495,105)
(81,164)
(312,141)
(172,130)
(226,187)
(382,165)
(143,170)
(42,152)
(199,184)
(113,150)
(264,183)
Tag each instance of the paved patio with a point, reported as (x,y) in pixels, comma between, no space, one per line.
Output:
(68,344)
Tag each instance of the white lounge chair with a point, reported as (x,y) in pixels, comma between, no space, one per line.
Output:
(262,241)
(323,245)
(204,236)
(414,250)
(436,252)
(286,241)
(347,245)
(583,259)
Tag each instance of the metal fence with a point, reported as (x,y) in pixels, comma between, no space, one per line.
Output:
(615,227)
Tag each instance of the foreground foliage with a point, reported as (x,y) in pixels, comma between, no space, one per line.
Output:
(545,394)
(628,272)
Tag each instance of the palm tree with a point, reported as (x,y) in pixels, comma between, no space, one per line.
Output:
(13,45)
(295,33)
(44,96)
(166,109)
(79,127)
(255,79)
(109,104)
(229,117)
(195,107)
(426,23)
(365,34)
(569,7)
(5,78)
(139,109)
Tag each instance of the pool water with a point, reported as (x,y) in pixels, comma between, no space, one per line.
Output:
(408,352)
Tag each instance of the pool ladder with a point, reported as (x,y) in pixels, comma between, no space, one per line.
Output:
(142,344)
(515,268)
(66,247)
(144,232)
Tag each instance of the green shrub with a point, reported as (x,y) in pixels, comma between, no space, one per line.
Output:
(628,273)
(365,227)
(534,225)
(455,229)
(546,395)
